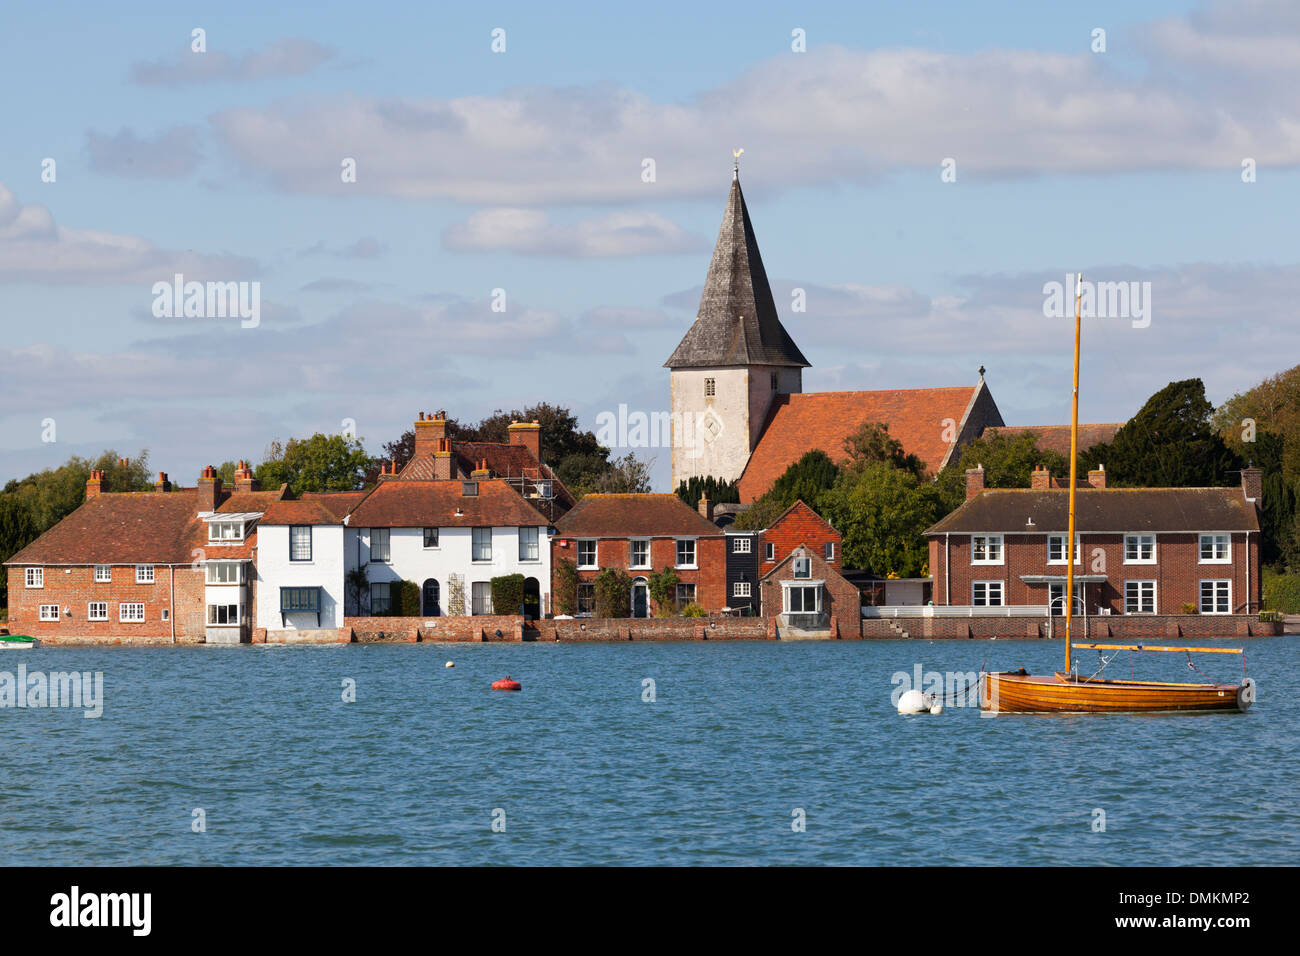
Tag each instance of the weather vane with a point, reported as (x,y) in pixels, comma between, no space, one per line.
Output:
(736,169)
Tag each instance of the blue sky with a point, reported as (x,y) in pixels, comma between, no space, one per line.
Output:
(521,170)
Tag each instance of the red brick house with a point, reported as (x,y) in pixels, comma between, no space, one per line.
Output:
(641,534)
(809,598)
(171,564)
(1138,550)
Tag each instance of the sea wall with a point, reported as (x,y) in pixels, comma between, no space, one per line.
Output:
(1152,628)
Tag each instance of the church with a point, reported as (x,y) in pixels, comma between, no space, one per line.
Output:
(738,372)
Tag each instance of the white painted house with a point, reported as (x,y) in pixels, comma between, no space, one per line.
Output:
(300,563)
(449,537)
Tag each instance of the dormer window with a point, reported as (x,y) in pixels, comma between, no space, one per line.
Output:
(469,489)
(225,531)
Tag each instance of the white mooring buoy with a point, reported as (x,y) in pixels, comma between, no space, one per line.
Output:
(914,702)
(450,664)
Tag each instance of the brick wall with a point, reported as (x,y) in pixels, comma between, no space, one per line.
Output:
(710,577)
(1177,573)
(1158,628)
(365,630)
(75,587)
(841,601)
(654,629)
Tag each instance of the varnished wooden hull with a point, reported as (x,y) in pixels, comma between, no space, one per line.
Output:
(1014,693)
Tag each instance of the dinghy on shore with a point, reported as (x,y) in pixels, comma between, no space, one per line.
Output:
(17,642)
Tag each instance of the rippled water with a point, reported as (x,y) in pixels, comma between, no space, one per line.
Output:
(587,772)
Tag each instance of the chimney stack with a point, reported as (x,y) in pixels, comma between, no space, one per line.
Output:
(244,480)
(162,485)
(528,434)
(1097,477)
(443,467)
(1040,480)
(94,484)
(1252,484)
(209,489)
(482,472)
(706,507)
(429,430)
(974,481)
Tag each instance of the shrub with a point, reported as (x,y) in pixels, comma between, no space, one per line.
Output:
(694,610)
(613,593)
(663,591)
(1189,608)
(565,595)
(508,594)
(1282,592)
(405,597)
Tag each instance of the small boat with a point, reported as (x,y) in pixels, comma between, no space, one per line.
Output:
(17,642)
(1065,692)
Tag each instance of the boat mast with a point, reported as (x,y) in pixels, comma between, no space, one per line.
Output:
(1074,471)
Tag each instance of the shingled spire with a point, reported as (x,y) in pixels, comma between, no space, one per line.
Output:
(737,322)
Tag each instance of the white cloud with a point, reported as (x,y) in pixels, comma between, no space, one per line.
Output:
(173,153)
(33,248)
(531,232)
(288,57)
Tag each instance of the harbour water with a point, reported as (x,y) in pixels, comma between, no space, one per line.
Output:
(583,767)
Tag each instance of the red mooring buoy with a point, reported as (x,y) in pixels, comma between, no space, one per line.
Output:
(507,684)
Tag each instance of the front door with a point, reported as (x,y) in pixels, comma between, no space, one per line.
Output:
(429,598)
(640,599)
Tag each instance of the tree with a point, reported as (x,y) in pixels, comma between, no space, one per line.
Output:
(613,589)
(1008,460)
(319,463)
(872,443)
(662,586)
(1169,443)
(626,475)
(692,489)
(881,513)
(17,530)
(805,481)
(565,594)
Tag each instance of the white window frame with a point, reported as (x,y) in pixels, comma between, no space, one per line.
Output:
(477,546)
(1141,538)
(212,567)
(1214,536)
(1141,585)
(1200,594)
(769,551)
(239,617)
(35,578)
(694,553)
(49,612)
(742,544)
(742,589)
(530,552)
(480,594)
(581,545)
(130,618)
(387,535)
(801,567)
(91,615)
(1078,548)
(830,551)
(631,553)
(103,574)
(988,587)
(145,574)
(311,543)
(787,588)
(991,541)
(1052,598)
(216,532)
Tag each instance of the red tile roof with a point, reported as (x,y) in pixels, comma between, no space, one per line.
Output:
(414,504)
(306,511)
(123,528)
(801,422)
(503,459)
(1057,437)
(633,516)
(236,502)
(338,503)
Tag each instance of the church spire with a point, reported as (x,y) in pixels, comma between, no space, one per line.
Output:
(737,324)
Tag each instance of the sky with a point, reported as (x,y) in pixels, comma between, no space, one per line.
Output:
(920,171)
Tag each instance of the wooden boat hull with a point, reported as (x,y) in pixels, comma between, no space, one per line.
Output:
(1015,693)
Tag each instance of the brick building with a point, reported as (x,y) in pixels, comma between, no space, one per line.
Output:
(1137,551)
(809,598)
(642,534)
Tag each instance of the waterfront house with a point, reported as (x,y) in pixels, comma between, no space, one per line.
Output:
(642,534)
(1138,551)
(809,598)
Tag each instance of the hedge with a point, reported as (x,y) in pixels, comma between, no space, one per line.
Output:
(507,594)
(1282,592)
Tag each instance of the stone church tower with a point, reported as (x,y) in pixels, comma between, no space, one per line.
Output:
(733,362)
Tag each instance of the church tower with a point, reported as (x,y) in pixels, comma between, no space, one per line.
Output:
(733,362)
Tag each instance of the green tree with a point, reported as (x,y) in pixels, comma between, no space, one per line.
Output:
(565,593)
(1008,460)
(1169,443)
(806,480)
(872,444)
(881,512)
(613,593)
(507,594)
(662,586)
(624,476)
(692,489)
(319,463)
